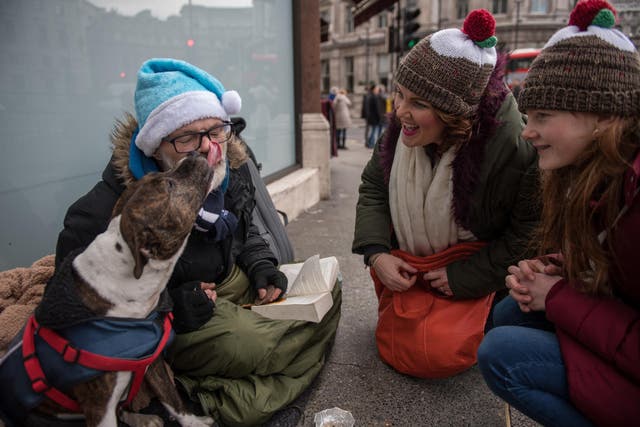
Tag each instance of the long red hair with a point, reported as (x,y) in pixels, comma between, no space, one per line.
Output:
(571,221)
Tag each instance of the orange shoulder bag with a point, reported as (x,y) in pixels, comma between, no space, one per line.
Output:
(423,334)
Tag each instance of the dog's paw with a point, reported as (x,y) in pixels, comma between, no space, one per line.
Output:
(190,420)
(141,420)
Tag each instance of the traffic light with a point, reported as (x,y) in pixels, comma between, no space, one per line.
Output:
(410,27)
(392,39)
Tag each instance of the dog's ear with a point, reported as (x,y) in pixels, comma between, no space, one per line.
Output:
(141,257)
(135,237)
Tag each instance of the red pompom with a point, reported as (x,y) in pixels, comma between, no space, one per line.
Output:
(479,25)
(586,10)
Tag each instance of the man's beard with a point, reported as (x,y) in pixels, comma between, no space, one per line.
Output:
(219,172)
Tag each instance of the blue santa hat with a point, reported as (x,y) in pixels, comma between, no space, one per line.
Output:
(171,94)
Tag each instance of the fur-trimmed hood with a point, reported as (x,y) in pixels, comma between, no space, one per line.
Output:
(121,144)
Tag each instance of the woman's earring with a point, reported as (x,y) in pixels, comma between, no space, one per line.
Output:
(596,131)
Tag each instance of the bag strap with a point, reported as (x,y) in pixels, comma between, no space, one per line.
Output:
(266,218)
(71,354)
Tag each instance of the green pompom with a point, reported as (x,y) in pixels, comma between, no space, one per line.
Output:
(605,19)
(490,42)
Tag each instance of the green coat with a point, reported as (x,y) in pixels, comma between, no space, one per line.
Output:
(504,209)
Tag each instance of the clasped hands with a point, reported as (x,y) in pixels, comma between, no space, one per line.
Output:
(530,281)
(398,276)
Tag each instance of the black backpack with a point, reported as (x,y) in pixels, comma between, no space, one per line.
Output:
(270,221)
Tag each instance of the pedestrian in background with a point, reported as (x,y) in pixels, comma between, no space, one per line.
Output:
(450,169)
(375,115)
(364,111)
(384,102)
(341,104)
(566,349)
(332,93)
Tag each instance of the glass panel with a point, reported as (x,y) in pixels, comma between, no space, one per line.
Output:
(348,66)
(539,6)
(462,8)
(499,6)
(348,19)
(382,20)
(72,72)
(325,78)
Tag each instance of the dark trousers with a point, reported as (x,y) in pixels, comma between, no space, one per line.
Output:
(341,137)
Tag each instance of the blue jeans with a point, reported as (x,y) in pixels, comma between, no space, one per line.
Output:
(521,363)
(341,137)
(374,134)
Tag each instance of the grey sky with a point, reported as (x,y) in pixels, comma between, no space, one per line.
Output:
(162,9)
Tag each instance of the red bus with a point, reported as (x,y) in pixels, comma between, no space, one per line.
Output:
(518,64)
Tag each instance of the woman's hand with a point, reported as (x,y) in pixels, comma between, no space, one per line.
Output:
(439,281)
(529,284)
(553,264)
(394,273)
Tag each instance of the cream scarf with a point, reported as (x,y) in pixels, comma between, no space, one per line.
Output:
(420,197)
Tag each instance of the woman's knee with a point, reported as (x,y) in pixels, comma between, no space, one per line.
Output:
(491,354)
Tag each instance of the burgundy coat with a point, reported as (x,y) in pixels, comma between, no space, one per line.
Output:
(600,338)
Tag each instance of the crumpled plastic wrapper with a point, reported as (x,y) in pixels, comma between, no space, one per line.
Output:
(334,417)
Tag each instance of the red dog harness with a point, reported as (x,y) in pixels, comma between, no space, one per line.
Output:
(71,354)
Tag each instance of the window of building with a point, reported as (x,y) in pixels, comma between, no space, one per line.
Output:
(499,6)
(325,24)
(383,20)
(348,19)
(91,79)
(462,9)
(325,77)
(348,73)
(539,6)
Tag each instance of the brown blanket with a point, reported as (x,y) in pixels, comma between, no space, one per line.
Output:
(21,290)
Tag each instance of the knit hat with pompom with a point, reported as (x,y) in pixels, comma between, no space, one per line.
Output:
(451,68)
(587,66)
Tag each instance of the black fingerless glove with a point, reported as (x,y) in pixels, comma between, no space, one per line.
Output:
(264,273)
(192,307)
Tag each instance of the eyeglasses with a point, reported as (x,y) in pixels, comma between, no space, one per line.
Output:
(192,141)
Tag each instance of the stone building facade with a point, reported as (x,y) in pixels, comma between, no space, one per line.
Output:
(353,56)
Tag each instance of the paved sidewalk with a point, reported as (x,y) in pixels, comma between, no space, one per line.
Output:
(354,378)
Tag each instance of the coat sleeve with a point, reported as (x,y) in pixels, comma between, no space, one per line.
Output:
(608,327)
(373,218)
(485,271)
(253,248)
(85,219)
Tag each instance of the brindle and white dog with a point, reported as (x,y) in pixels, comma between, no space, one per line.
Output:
(126,268)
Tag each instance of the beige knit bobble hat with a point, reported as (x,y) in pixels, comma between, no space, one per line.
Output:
(451,68)
(587,66)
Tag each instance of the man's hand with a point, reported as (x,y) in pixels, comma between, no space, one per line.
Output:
(394,273)
(193,305)
(268,281)
(208,289)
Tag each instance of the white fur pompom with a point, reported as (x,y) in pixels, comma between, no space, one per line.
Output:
(231,102)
